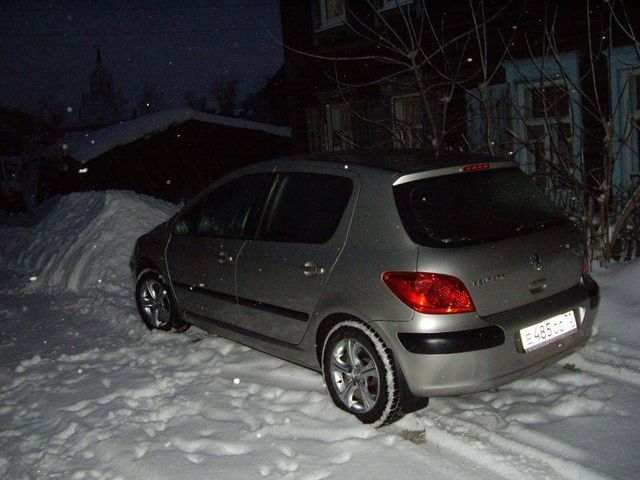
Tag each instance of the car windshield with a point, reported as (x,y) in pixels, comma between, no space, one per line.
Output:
(476,207)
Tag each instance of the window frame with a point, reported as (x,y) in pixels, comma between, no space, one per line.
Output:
(326,22)
(631,99)
(530,71)
(397,143)
(622,61)
(346,142)
(391,4)
(550,125)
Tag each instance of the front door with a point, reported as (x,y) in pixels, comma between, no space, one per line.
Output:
(282,273)
(205,246)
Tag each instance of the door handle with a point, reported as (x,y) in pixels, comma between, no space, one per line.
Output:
(310,269)
(223,257)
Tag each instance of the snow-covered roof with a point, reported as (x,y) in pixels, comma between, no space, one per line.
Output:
(85,146)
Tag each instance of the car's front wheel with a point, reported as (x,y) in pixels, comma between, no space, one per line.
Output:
(361,375)
(155,303)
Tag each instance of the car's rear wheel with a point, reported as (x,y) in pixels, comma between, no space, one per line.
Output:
(361,375)
(156,305)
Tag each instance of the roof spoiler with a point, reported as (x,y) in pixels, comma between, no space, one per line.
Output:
(467,168)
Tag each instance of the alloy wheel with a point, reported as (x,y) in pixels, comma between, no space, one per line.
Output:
(354,375)
(155,303)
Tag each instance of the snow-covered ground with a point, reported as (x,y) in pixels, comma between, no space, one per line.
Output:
(86,392)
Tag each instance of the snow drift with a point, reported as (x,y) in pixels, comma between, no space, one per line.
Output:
(83,240)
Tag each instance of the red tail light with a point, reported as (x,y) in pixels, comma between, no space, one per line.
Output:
(430,292)
(585,265)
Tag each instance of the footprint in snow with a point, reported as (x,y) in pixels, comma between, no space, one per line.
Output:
(288,451)
(287,465)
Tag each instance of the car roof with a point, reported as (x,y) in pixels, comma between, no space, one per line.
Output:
(397,160)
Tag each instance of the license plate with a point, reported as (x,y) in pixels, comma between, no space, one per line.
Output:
(548,331)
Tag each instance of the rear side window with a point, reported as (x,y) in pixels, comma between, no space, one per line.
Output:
(305,208)
(476,207)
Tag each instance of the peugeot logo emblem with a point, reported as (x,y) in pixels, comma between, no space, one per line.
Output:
(536,261)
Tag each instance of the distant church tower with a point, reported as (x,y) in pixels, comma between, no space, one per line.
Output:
(99,107)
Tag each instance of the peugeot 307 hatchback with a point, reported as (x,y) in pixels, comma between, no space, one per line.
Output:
(397,274)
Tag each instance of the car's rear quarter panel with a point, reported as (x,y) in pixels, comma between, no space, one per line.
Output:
(376,243)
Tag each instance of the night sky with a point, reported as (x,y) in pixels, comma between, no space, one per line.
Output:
(49,47)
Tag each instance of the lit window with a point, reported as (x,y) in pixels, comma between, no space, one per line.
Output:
(407,121)
(331,12)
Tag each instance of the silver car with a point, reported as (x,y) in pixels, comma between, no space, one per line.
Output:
(398,275)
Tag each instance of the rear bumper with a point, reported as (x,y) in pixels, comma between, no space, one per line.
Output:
(452,342)
(489,354)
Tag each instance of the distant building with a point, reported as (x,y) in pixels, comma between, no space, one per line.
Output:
(99,107)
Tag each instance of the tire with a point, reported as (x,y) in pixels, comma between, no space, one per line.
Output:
(361,375)
(156,304)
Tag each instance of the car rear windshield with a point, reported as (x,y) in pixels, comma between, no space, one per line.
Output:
(475,207)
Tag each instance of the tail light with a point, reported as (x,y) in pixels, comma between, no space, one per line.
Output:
(430,292)
(585,264)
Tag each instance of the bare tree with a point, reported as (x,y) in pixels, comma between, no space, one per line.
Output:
(225,90)
(192,100)
(608,212)
(445,66)
(121,101)
(423,58)
(50,111)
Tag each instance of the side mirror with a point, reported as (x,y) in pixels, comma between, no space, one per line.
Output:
(179,227)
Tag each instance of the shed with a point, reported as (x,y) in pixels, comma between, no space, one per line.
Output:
(172,154)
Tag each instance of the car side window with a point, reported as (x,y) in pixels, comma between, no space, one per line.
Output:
(187,222)
(305,208)
(230,210)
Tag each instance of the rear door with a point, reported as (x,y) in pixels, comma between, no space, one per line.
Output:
(281,274)
(205,246)
(496,231)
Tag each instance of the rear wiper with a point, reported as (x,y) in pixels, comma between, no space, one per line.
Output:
(459,240)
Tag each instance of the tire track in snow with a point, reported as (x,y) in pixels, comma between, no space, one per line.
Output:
(506,430)
(507,457)
(626,369)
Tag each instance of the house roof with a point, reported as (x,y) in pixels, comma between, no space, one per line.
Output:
(85,146)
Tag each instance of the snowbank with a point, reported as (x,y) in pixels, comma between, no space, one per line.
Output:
(83,241)
(85,146)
